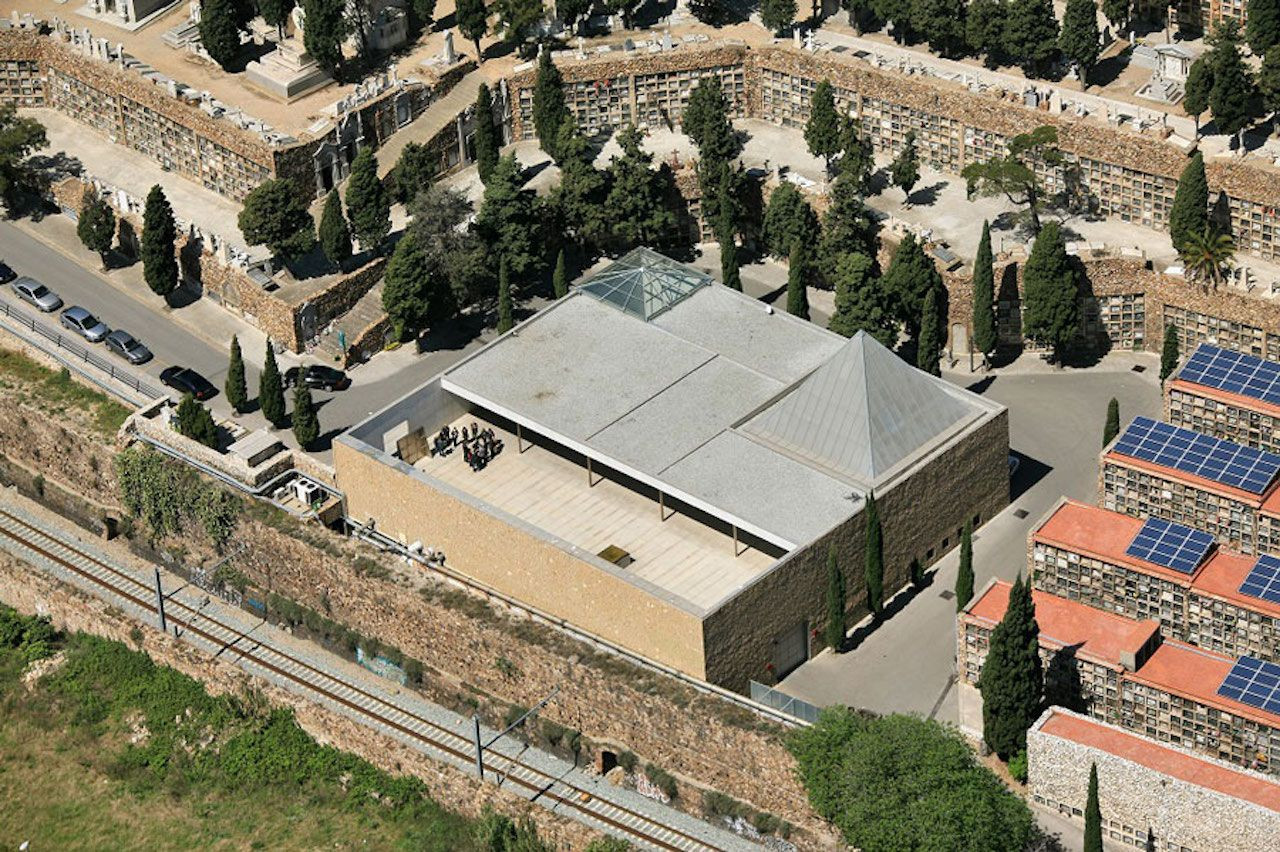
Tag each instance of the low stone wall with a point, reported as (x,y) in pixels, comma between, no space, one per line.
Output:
(1133,797)
(341,296)
(31,591)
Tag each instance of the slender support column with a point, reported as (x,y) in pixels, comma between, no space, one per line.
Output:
(160,603)
(479,748)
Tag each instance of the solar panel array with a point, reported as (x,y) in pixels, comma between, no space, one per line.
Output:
(1235,372)
(1190,452)
(1264,580)
(1171,545)
(1253,682)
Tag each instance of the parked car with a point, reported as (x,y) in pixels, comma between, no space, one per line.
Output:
(6,273)
(36,294)
(128,347)
(318,377)
(84,324)
(187,381)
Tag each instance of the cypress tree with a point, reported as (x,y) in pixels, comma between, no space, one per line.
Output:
(874,558)
(788,219)
(414,172)
(916,571)
(985,337)
(822,130)
(335,236)
(1169,352)
(236,387)
(1031,32)
(159,231)
(96,226)
(1196,89)
(195,422)
(275,215)
(508,221)
(271,389)
(559,280)
(835,602)
(1112,427)
(861,303)
(729,274)
(326,27)
(964,579)
(549,109)
(909,279)
(505,320)
(306,423)
(798,280)
(1078,40)
(929,343)
(1012,681)
(1051,293)
(1230,99)
(487,141)
(904,171)
(1093,814)
(368,203)
(1190,211)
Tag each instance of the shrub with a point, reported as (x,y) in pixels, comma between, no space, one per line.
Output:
(627,760)
(663,780)
(1018,766)
(413,671)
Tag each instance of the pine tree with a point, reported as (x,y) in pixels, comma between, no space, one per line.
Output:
(327,27)
(219,31)
(1012,680)
(1262,25)
(985,337)
(964,578)
(508,221)
(706,122)
(1269,81)
(159,232)
(516,18)
(929,343)
(236,387)
(847,226)
(1079,38)
(1117,12)
(835,602)
(1093,814)
(984,29)
(637,207)
(275,13)
(96,226)
(1190,211)
(941,23)
(910,277)
(195,422)
(1169,352)
(505,319)
(857,159)
(822,130)
(777,15)
(335,236)
(578,199)
(1112,426)
(549,109)
(798,280)
(306,423)
(368,205)
(860,301)
(473,23)
(874,557)
(905,168)
(271,389)
(488,143)
(559,280)
(1051,293)
(1031,32)
(275,215)
(415,290)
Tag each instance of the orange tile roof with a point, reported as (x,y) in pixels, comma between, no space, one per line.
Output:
(1202,772)
(1249,403)
(1099,637)
(1196,673)
(1103,534)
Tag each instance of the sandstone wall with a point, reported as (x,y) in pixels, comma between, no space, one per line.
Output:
(1133,797)
(31,591)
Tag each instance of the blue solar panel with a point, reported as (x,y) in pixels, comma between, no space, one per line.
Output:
(1222,461)
(1171,545)
(1263,580)
(1234,372)
(1253,682)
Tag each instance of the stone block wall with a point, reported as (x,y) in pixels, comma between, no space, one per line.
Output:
(1133,797)
(342,295)
(921,517)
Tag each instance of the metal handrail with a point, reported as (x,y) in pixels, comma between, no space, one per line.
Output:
(63,344)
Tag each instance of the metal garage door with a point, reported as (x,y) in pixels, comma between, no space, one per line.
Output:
(790,649)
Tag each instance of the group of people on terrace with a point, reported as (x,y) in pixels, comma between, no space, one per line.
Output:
(479,446)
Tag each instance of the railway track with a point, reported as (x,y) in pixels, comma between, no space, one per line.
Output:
(566,796)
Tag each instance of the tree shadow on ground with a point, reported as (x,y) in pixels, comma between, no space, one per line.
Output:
(324,443)
(454,335)
(892,607)
(1109,70)
(981,385)
(926,195)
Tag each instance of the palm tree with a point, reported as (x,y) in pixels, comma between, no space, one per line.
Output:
(1208,255)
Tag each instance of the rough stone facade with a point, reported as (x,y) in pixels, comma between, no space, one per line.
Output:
(33,592)
(1134,798)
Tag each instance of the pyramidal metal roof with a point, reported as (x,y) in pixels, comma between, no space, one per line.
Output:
(862,413)
(644,283)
